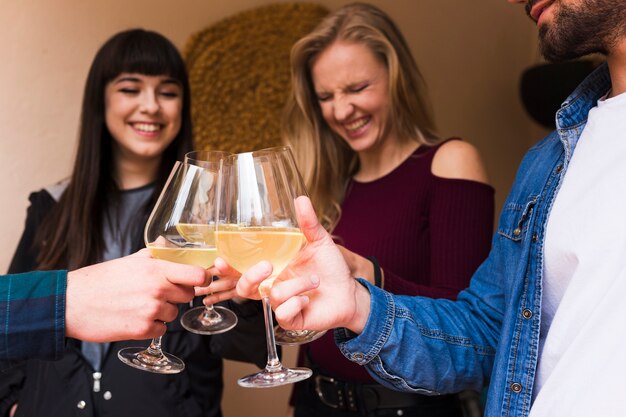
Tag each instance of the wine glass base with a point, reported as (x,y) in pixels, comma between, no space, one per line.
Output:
(196,321)
(295,337)
(141,358)
(267,379)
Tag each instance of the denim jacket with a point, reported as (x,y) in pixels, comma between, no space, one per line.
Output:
(491,333)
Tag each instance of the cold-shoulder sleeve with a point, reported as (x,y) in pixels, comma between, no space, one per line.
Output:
(461,224)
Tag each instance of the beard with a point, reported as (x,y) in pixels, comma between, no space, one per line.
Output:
(590,26)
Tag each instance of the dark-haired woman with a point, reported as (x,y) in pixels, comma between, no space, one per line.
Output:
(135,124)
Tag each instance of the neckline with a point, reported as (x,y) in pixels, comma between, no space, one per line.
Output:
(422,149)
(416,152)
(137,189)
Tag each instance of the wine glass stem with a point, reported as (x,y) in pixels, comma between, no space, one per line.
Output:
(155,347)
(273,363)
(210,314)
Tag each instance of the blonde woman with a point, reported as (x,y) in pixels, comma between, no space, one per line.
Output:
(413,212)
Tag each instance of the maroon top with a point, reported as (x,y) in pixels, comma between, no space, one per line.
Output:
(429,234)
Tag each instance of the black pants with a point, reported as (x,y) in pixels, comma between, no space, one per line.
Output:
(308,404)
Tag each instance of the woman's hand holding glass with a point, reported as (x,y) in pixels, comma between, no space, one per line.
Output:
(222,289)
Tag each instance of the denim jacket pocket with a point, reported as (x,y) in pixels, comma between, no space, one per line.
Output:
(515,219)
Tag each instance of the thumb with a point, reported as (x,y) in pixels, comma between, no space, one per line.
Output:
(309,224)
(142,253)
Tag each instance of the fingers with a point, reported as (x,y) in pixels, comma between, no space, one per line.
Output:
(288,300)
(220,296)
(156,329)
(189,275)
(222,269)
(178,294)
(142,253)
(168,312)
(307,219)
(289,313)
(248,285)
(216,286)
(198,291)
(284,290)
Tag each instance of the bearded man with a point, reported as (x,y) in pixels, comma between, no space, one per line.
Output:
(543,319)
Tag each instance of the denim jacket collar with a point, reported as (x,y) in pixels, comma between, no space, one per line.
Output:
(571,118)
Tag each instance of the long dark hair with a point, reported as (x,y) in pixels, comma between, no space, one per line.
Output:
(71,235)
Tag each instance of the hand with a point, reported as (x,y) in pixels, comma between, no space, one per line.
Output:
(316,290)
(223,288)
(13,410)
(128,298)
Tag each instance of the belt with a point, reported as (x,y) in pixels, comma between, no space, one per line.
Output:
(359,397)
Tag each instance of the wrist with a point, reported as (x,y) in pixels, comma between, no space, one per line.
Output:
(362,309)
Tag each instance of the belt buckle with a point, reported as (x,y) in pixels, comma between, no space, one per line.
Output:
(319,379)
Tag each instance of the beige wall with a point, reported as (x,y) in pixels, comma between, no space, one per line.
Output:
(471,54)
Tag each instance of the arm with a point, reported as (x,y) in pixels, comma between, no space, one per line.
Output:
(127,298)
(451,343)
(460,223)
(32,310)
(460,227)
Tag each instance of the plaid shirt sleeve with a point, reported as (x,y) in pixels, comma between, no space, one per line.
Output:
(32,316)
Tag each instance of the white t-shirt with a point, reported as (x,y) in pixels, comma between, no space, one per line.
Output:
(582,362)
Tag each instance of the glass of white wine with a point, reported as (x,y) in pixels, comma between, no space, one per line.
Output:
(209,319)
(181,228)
(257,221)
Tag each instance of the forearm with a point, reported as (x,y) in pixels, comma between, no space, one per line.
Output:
(32,313)
(422,345)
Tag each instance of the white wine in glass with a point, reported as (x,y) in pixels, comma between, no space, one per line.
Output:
(257,221)
(178,230)
(208,319)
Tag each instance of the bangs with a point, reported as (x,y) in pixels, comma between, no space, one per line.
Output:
(143,52)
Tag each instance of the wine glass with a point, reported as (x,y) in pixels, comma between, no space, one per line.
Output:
(208,319)
(178,230)
(257,221)
(293,337)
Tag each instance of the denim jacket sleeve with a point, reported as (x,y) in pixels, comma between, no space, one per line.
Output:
(401,349)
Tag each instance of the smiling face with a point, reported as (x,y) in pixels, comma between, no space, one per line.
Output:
(143,115)
(569,29)
(351,85)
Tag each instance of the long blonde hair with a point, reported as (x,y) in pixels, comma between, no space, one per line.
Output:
(326,161)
